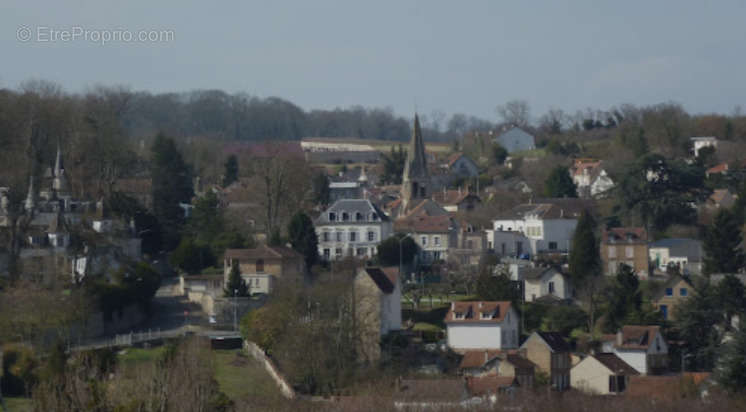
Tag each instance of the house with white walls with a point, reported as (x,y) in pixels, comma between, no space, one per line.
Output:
(548,226)
(642,347)
(538,282)
(590,178)
(351,227)
(474,325)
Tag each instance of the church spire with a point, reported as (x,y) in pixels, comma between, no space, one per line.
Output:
(416,178)
(416,165)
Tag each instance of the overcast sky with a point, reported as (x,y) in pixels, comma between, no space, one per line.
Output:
(455,56)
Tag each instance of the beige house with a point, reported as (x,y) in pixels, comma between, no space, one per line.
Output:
(675,292)
(481,363)
(377,307)
(601,374)
(551,354)
(261,267)
(625,245)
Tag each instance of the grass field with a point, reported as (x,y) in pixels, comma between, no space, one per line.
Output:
(240,376)
(18,404)
(137,355)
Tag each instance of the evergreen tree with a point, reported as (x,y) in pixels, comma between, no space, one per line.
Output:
(624,299)
(388,250)
(560,184)
(236,285)
(722,241)
(231,170)
(584,257)
(393,166)
(585,265)
(496,287)
(172,184)
(206,222)
(320,184)
(731,297)
(303,238)
(499,154)
(731,373)
(695,322)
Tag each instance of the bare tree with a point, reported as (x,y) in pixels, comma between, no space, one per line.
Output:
(515,112)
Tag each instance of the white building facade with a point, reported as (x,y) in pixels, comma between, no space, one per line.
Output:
(482,325)
(351,227)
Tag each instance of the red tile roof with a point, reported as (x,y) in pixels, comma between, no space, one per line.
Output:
(722,167)
(471,312)
(635,336)
(477,358)
(425,224)
(262,252)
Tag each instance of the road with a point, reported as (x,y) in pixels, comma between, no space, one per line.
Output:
(171,311)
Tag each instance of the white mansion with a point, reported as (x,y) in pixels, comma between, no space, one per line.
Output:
(351,227)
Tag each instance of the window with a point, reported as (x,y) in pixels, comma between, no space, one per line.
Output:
(683,292)
(612,251)
(373,216)
(338,251)
(358,217)
(423,240)
(617,384)
(630,251)
(259,265)
(664,311)
(669,291)
(371,236)
(339,236)
(327,254)
(353,236)
(326,236)
(436,240)
(458,315)
(332,216)
(551,288)
(345,216)
(470,244)
(361,251)
(552,245)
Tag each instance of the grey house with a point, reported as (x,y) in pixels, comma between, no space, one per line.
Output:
(687,253)
(516,140)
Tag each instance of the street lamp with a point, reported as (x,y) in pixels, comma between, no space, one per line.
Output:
(235,292)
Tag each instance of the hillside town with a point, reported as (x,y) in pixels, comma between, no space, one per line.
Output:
(382,206)
(427,272)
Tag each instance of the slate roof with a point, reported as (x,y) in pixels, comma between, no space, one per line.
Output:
(519,361)
(472,311)
(680,247)
(555,341)
(382,279)
(352,206)
(516,140)
(615,364)
(453,197)
(425,224)
(635,337)
(625,235)
(548,209)
(535,273)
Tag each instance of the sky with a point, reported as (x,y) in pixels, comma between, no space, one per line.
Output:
(466,56)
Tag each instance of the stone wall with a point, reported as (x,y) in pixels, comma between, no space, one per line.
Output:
(257,353)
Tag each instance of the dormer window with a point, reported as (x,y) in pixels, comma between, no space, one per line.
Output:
(345,216)
(373,216)
(458,315)
(486,315)
(358,217)
(332,216)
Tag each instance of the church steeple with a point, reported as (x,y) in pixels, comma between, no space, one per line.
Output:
(416,178)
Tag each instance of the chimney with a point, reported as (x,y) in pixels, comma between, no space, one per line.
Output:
(453,305)
(480,304)
(562,212)
(619,338)
(486,356)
